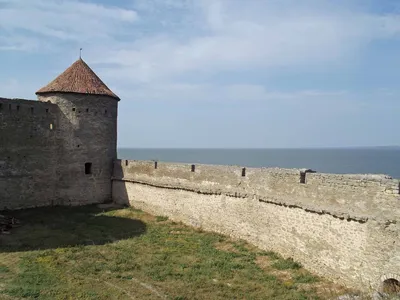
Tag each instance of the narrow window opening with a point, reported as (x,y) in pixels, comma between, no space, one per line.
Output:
(302,177)
(243,172)
(47,110)
(105,112)
(32,110)
(73,109)
(193,168)
(87,109)
(88,168)
(17,107)
(1,106)
(155,165)
(126,162)
(9,106)
(78,146)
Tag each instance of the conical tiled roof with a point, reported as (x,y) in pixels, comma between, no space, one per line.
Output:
(78,78)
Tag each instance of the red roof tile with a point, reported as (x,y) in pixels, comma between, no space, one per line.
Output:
(78,78)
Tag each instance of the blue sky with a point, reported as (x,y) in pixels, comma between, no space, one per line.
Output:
(220,73)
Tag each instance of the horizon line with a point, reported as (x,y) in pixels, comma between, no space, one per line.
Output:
(259,148)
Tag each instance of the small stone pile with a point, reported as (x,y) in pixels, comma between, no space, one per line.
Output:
(7,223)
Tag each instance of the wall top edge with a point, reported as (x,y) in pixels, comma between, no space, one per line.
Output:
(25,101)
(373,177)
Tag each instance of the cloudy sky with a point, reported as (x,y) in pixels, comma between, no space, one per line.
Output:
(220,73)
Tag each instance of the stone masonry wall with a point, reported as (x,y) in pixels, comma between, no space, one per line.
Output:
(343,227)
(45,146)
(28,153)
(88,125)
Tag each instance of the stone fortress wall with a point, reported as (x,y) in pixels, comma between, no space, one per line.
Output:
(29,144)
(88,127)
(45,147)
(343,227)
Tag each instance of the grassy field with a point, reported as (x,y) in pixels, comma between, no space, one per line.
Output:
(93,253)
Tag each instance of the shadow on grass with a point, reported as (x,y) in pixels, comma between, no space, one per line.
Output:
(59,227)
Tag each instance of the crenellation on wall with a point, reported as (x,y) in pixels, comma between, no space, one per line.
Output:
(357,197)
(25,108)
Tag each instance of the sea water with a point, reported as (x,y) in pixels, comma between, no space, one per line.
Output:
(341,160)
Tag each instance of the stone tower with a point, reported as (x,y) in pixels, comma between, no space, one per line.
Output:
(87,129)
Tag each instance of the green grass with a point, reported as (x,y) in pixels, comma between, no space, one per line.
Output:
(286,264)
(88,253)
(305,278)
(271,254)
(4,269)
(161,218)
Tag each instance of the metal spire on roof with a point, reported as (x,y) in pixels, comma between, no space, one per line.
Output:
(80,53)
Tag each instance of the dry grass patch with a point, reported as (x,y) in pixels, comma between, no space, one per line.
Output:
(226,246)
(265,262)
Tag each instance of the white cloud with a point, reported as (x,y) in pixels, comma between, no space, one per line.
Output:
(237,35)
(232,92)
(180,67)
(59,20)
(150,47)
